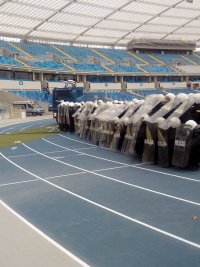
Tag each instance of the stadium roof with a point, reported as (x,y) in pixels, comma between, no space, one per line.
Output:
(105,22)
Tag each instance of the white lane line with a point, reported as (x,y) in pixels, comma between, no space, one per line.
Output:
(49,123)
(21,182)
(63,175)
(30,125)
(33,154)
(115,180)
(50,240)
(112,168)
(6,130)
(56,151)
(188,242)
(118,162)
(57,176)
(84,148)
(78,141)
(22,155)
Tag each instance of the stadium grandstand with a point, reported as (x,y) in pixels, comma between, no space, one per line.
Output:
(100,45)
(100,133)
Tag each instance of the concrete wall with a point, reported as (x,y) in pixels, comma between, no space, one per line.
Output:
(138,86)
(61,85)
(172,85)
(104,86)
(20,85)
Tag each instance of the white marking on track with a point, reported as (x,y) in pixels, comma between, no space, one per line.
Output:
(30,125)
(188,242)
(57,176)
(130,165)
(50,240)
(7,129)
(115,180)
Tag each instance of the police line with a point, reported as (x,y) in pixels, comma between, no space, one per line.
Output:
(159,129)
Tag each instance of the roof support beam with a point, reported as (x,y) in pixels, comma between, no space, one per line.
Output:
(55,13)
(116,10)
(182,26)
(157,15)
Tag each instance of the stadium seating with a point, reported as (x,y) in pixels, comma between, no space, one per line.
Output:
(48,65)
(159,69)
(88,67)
(147,92)
(9,61)
(121,68)
(41,96)
(171,58)
(82,54)
(10,48)
(119,56)
(184,90)
(194,58)
(146,57)
(43,51)
(92,96)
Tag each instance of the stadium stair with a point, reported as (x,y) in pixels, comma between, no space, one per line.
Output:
(196,55)
(102,55)
(107,68)
(65,53)
(155,58)
(194,63)
(136,56)
(22,62)
(145,71)
(68,66)
(20,49)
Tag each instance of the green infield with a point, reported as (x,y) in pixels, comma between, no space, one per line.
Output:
(12,138)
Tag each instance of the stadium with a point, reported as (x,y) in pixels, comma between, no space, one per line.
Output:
(100,133)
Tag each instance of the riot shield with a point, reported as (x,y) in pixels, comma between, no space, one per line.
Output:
(182,146)
(150,144)
(166,138)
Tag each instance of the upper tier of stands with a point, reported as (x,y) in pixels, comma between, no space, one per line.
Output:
(44,51)
(82,54)
(122,68)
(159,69)
(119,56)
(194,57)
(172,58)
(88,67)
(48,65)
(84,59)
(10,48)
(9,61)
(148,58)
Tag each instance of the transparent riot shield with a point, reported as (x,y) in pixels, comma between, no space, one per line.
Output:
(150,144)
(166,138)
(182,146)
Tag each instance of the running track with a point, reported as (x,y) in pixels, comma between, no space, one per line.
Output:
(107,209)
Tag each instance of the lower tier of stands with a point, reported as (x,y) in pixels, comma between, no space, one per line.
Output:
(45,97)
